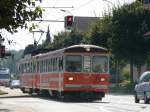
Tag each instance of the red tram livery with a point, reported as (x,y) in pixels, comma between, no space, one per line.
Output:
(79,71)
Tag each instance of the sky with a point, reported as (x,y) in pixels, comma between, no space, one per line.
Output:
(90,8)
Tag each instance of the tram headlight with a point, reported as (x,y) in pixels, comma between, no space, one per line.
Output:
(70,78)
(102,79)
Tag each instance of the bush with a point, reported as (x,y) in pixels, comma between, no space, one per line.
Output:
(124,87)
(126,74)
(2,92)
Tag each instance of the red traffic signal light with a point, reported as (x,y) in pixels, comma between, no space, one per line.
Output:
(68,21)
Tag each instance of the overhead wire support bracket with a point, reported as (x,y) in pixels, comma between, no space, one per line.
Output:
(49,20)
(54,7)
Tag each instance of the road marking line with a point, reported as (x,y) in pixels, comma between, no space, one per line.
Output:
(103,109)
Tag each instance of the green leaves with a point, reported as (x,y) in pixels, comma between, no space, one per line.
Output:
(129,24)
(15,13)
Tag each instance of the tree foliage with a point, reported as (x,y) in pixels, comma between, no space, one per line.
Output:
(129,23)
(65,39)
(16,13)
(100,32)
(122,31)
(12,62)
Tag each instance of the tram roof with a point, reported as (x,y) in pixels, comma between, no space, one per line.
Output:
(74,49)
(78,48)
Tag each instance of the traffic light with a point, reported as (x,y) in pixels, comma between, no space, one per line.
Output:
(2,51)
(68,22)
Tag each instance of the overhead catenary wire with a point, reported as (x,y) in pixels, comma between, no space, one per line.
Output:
(81,6)
(55,3)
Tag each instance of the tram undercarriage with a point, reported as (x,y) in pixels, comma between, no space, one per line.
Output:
(66,95)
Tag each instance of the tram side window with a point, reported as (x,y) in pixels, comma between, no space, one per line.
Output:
(24,71)
(55,65)
(19,68)
(44,66)
(73,63)
(60,63)
(47,65)
(32,67)
(38,66)
(41,66)
(100,64)
(25,67)
(22,68)
(28,68)
(50,65)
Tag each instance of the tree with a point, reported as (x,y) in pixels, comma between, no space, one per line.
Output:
(16,13)
(47,43)
(12,62)
(129,24)
(29,49)
(65,39)
(48,37)
(100,32)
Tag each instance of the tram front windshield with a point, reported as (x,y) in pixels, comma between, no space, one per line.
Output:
(97,64)
(100,64)
(73,63)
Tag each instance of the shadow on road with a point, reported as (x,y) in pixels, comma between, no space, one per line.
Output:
(119,93)
(4,110)
(70,100)
(53,99)
(20,96)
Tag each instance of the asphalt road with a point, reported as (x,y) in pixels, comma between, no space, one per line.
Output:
(16,101)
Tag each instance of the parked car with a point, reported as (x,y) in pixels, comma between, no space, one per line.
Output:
(14,84)
(142,88)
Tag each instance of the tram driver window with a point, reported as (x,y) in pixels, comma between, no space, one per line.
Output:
(100,64)
(73,63)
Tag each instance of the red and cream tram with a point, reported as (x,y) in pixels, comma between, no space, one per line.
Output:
(79,71)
